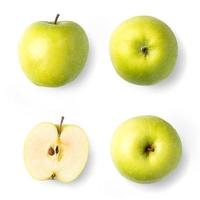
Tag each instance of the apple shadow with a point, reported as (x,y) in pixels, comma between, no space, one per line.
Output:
(178,71)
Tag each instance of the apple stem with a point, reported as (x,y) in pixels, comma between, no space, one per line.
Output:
(61,124)
(56,19)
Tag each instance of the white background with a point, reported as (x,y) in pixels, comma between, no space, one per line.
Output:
(99,100)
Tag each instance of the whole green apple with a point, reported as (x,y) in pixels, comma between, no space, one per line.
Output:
(146,148)
(53,53)
(143,50)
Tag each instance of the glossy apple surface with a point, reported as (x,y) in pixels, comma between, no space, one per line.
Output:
(53,53)
(146,148)
(143,50)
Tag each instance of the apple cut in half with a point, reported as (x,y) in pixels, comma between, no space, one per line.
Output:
(56,152)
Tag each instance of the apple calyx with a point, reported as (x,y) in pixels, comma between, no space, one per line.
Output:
(149,149)
(56,19)
(144,50)
(53,176)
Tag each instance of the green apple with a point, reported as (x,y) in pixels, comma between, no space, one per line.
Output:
(53,53)
(143,50)
(146,148)
(56,152)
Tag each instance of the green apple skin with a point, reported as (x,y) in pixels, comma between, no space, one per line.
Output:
(145,149)
(143,50)
(53,54)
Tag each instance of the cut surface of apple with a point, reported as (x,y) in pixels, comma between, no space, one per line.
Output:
(59,152)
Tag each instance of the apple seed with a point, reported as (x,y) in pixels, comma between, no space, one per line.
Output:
(51,151)
(57,150)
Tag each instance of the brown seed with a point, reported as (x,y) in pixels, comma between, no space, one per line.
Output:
(57,150)
(51,151)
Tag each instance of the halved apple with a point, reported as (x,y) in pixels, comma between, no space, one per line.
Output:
(52,151)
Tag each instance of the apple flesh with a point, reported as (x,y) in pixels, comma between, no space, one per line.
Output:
(53,53)
(145,149)
(59,152)
(143,50)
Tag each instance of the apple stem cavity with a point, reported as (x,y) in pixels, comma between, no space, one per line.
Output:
(56,19)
